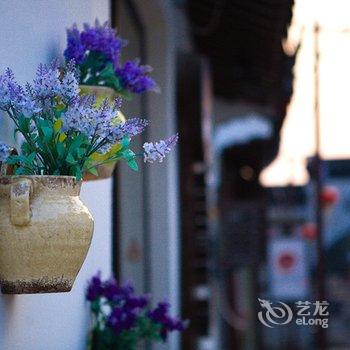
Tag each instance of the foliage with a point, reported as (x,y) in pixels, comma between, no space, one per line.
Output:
(65,134)
(121,319)
(97,52)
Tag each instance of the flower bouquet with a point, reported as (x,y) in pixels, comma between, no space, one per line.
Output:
(122,320)
(65,133)
(96,50)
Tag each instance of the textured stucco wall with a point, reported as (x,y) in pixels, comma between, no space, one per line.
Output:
(33,31)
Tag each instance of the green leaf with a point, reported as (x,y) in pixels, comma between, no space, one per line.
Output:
(58,112)
(116,84)
(26,148)
(109,78)
(80,152)
(78,174)
(133,165)
(93,171)
(88,163)
(44,122)
(20,171)
(108,71)
(24,124)
(70,159)
(31,157)
(60,149)
(125,142)
(48,133)
(15,159)
(78,141)
(126,94)
(128,155)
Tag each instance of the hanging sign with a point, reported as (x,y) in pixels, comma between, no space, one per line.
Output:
(288,269)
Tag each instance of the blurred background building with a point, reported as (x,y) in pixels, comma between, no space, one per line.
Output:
(235,215)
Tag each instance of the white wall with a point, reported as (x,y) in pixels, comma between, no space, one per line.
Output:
(33,31)
(160,239)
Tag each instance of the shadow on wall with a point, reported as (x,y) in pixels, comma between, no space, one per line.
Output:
(7,305)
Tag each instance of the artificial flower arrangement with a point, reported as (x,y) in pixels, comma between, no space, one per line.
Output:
(64,133)
(96,50)
(44,226)
(122,320)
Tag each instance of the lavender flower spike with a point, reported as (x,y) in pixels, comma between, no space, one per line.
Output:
(134,126)
(10,91)
(75,49)
(5,151)
(102,38)
(157,151)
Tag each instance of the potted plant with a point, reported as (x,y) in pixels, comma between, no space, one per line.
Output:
(123,320)
(96,51)
(45,229)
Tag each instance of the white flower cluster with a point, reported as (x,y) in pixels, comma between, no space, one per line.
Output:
(158,150)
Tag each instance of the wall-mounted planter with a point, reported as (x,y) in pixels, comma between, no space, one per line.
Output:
(45,233)
(101,92)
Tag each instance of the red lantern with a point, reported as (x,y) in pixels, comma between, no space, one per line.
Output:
(309,231)
(329,196)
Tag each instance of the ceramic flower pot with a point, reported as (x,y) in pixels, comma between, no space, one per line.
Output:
(105,171)
(45,233)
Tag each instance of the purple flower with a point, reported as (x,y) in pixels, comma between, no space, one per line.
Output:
(158,150)
(121,310)
(47,83)
(70,83)
(121,319)
(103,39)
(10,91)
(130,128)
(75,49)
(48,88)
(50,85)
(126,290)
(95,288)
(111,289)
(99,123)
(96,123)
(5,151)
(134,77)
(113,292)
(160,315)
(79,116)
(27,106)
(134,302)
(134,126)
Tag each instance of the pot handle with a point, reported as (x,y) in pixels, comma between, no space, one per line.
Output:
(20,202)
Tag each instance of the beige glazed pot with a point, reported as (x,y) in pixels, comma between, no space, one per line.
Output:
(45,233)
